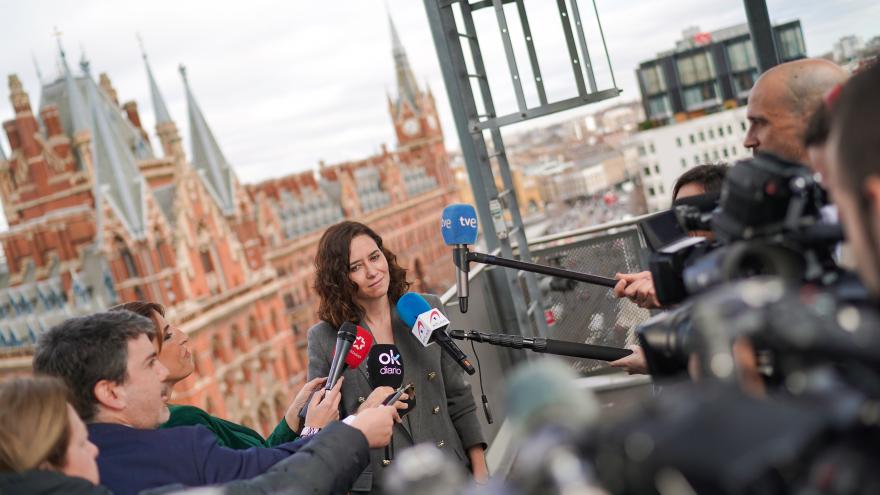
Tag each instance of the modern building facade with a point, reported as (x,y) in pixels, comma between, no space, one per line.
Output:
(664,153)
(97,216)
(707,72)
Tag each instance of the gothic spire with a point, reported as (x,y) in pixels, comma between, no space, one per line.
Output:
(159,107)
(114,164)
(206,155)
(407,89)
(78,113)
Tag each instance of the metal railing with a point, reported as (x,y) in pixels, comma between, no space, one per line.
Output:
(587,314)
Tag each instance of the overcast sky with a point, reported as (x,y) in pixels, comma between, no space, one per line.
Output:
(286,84)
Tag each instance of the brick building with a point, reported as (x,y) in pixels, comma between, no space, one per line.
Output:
(97,216)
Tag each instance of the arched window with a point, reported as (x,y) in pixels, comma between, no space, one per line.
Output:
(131,269)
(253,330)
(238,340)
(161,247)
(217,348)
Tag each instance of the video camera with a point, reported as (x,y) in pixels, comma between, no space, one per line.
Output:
(767,222)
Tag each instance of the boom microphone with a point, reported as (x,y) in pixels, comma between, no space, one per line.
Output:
(459,228)
(548,346)
(353,343)
(429,325)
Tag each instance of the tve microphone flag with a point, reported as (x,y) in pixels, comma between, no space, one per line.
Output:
(458,224)
(429,325)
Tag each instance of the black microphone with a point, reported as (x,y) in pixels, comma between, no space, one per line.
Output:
(540,344)
(344,339)
(429,325)
(385,367)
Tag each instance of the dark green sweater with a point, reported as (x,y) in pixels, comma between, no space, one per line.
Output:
(229,434)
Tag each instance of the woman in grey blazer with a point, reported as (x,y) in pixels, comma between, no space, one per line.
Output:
(359,280)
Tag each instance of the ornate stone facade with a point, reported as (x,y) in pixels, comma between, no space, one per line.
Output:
(97,218)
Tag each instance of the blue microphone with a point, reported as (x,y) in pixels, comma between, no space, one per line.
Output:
(459,228)
(429,325)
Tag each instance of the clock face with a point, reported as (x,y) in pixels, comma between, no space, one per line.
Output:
(432,122)
(410,127)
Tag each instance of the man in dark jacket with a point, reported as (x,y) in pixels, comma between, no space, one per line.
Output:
(115,382)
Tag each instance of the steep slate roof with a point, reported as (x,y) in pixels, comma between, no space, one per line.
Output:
(159,107)
(206,155)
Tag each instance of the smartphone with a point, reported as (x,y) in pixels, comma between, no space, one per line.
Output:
(405,389)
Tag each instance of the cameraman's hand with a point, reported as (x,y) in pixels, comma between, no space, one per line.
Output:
(376,424)
(324,406)
(638,288)
(635,363)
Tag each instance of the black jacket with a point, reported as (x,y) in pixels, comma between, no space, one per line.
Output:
(38,482)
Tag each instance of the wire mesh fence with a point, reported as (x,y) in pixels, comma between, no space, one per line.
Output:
(590,314)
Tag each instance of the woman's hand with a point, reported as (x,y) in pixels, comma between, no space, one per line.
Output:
(378,395)
(302,398)
(324,406)
(478,464)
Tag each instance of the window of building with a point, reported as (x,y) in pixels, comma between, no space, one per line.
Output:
(641,150)
(684,163)
(706,157)
(733,150)
(207,263)
(657,168)
(720,131)
(651,192)
(662,190)
(702,136)
(699,95)
(711,134)
(131,269)
(658,106)
(742,124)
(695,68)
(651,148)
(741,56)
(647,172)
(678,142)
(790,42)
(715,155)
(693,141)
(652,78)
(743,81)
(161,246)
(725,153)
(696,159)
(729,129)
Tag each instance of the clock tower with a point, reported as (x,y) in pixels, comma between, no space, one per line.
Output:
(414,115)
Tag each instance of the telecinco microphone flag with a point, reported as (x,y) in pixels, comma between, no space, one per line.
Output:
(352,347)
(459,228)
(429,325)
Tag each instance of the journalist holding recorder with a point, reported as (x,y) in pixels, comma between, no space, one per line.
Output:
(359,281)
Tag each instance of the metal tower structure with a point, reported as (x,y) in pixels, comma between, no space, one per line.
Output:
(462,64)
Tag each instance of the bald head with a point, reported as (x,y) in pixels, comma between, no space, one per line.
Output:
(782,101)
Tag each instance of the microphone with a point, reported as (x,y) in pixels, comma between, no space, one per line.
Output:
(539,344)
(429,325)
(459,228)
(385,368)
(353,344)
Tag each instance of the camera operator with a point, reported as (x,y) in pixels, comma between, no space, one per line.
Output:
(854,170)
(781,103)
(639,287)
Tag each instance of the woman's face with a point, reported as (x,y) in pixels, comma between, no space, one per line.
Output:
(81,453)
(367,268)
(176,354)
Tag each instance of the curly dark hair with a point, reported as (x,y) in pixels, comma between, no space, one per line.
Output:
(332,284)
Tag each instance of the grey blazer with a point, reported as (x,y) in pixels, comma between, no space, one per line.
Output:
(445,413)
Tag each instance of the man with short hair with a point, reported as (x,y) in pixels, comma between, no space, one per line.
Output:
(116,385)
(854,171)
(781,103)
